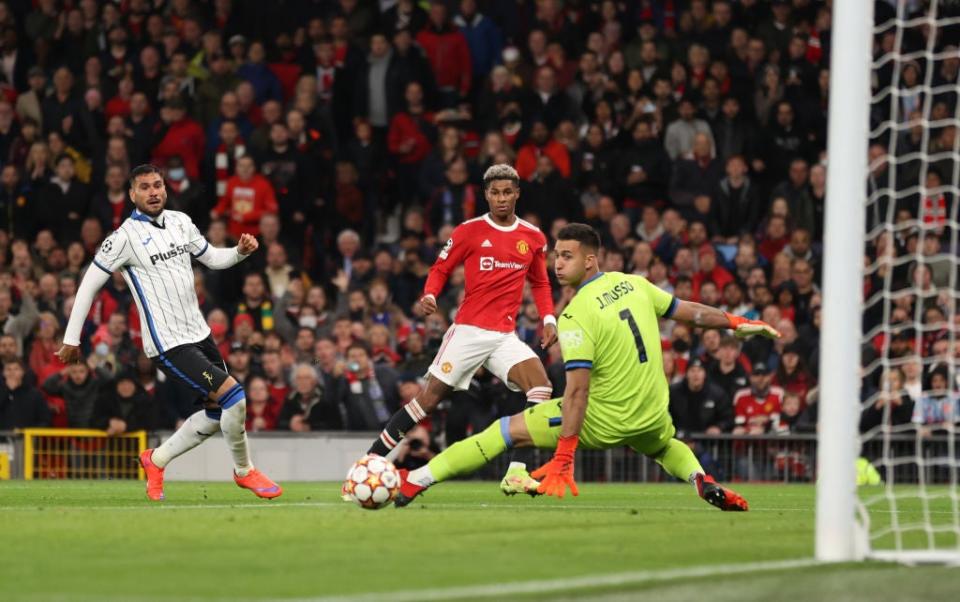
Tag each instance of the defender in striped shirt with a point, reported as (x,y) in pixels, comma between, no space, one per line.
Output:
(153,249)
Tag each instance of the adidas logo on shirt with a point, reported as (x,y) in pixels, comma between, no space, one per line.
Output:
(486,244)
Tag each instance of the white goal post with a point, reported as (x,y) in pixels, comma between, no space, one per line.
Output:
(844,516)
(837,446)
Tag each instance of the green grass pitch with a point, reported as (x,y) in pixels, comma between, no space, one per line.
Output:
(104,540)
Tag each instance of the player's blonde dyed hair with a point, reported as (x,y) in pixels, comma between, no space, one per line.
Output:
(500,171)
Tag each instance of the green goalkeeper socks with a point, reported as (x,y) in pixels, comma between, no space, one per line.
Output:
(464,457)
(677,458)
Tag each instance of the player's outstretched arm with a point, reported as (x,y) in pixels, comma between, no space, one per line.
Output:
(221,259)
(92,282)
(451,255)
(704,316)
(557,474)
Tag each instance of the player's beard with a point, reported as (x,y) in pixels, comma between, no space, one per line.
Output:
(147,210)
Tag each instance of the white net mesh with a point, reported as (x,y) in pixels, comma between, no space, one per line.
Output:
(910,350)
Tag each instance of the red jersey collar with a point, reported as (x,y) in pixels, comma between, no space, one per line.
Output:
(510,228)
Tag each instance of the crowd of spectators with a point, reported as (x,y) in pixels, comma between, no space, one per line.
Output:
(349,137)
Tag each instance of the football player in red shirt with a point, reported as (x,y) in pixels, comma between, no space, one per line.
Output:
(500,252)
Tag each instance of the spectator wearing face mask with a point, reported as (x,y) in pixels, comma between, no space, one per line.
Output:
(183,192)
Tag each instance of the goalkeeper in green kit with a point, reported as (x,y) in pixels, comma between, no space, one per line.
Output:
(616,393)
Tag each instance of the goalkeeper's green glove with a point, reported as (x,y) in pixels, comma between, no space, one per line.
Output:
(557,474)
(744,328)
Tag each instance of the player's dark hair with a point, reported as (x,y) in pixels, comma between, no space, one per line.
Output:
(143,170)
(582,233)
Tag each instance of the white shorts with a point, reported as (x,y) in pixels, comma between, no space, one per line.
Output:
(465,348)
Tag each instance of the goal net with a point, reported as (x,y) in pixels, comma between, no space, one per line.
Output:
(907,502)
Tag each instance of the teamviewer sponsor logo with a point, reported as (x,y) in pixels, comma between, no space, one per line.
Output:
(488,264)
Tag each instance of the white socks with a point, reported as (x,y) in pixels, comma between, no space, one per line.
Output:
(232,424)
(422,476)
(195,430)
(692,479)
(539,394)
(201,425)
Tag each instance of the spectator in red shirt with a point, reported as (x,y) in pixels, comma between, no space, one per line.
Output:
(757,408)
(274,372)
(710,270)
(410,138)
(120,104)
(449,55)
(412,132)
(538,144)
(260,409)
(43,359)
(183,137)
(249,195)
(775,237)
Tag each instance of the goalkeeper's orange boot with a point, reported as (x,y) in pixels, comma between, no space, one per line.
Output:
(724,499)
(258,483)
(154,475)
(408,490)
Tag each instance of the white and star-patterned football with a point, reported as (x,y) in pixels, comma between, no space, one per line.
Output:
(373,482)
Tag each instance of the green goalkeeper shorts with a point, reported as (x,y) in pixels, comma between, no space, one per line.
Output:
(544,420)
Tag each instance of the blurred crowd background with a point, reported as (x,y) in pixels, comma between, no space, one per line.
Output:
(350,137)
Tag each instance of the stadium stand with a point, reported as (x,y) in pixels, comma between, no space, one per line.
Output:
(350,135)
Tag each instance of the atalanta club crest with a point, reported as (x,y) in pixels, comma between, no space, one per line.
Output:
(571,339)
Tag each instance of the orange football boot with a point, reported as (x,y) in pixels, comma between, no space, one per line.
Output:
(724,499)
(154,476)
(259,483)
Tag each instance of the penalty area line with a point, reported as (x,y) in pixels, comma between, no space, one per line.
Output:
(567,584)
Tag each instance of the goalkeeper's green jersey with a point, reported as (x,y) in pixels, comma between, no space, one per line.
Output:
(611,327)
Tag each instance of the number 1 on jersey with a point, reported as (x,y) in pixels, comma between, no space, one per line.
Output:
(637,339)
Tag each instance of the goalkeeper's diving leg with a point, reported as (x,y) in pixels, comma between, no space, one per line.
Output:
(465,457)
(540,427)
(679,461)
